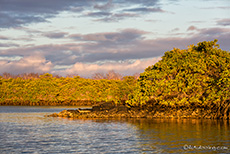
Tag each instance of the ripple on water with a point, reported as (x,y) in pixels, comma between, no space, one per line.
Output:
(31,132)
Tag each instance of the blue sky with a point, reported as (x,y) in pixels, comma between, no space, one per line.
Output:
(94,36)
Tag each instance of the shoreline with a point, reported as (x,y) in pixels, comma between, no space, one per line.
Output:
(108,110)
(50,103)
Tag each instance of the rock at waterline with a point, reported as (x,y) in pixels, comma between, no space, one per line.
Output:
(103,109)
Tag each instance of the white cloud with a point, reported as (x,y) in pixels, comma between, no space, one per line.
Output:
(125,68)
(35,64)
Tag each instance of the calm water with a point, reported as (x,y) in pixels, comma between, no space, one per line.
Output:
(26,130)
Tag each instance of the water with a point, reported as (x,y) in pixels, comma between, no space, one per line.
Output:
(27,130)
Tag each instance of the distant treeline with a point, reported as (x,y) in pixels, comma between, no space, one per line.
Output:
(48,89)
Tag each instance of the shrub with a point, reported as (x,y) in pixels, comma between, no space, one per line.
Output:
(197,76)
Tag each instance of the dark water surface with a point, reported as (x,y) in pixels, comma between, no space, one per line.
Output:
(27,130)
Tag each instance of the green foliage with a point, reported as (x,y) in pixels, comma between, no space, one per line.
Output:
(198,76)
(49,90)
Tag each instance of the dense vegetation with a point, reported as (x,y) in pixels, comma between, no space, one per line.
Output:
(46,89)
(198,76)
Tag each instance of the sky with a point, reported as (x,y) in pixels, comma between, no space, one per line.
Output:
(84,37)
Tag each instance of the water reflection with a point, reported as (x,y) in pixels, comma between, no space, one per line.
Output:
(172,135)
(31,132)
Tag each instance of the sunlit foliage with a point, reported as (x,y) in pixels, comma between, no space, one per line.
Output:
(197,76)
(47,89)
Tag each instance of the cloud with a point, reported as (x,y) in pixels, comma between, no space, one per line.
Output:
(10,58)
(144,9)
(114,17)
(104,6)
(191,28)
(175,30)
(105,51)
(121,45)
(57,53)
(224,22)
(125,68)
(8,45)
(4,38)
(140,2)
(98,14)
(55,35)
(215,31)
(217,7)
(12,19)
(112,11)
(35,63)
(16,13)
(123,36)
